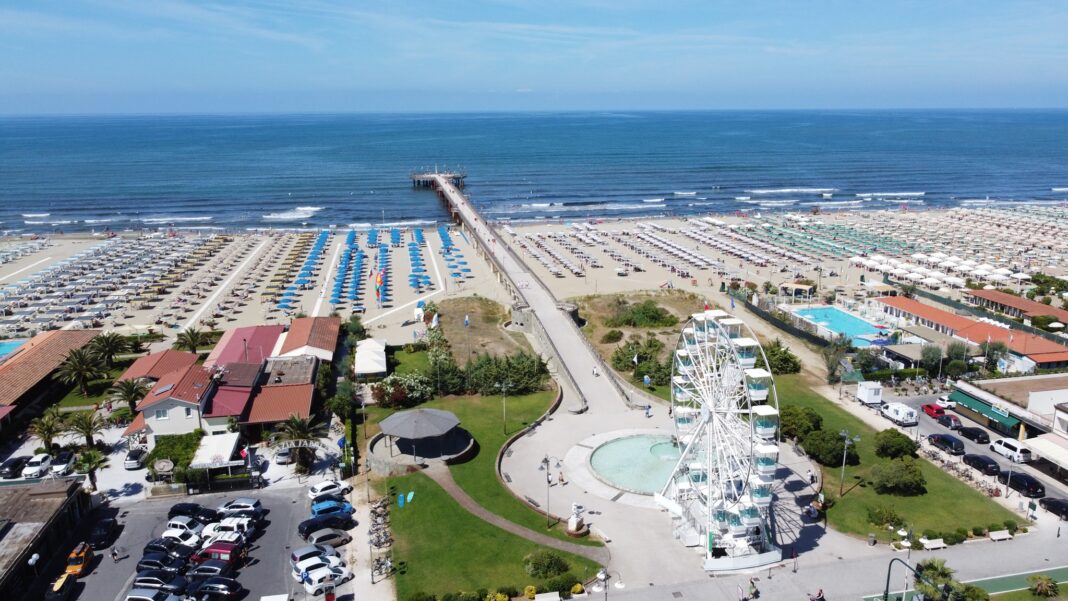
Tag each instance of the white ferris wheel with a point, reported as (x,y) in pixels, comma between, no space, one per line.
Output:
(726,421)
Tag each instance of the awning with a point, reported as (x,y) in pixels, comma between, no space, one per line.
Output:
(982,408)
(1052,447)
(216,451)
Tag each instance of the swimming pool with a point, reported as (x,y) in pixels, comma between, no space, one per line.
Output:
(9,346)
(640,464)
(839,322)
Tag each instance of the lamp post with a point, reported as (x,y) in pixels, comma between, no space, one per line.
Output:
(548,483)
(846,442)
(603,576)
(503,387)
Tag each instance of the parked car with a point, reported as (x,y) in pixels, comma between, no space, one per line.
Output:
(184,522)
(933,410)
(331,508)
(37,466)
(949,444)
(202,514)
(1027,485)
(314,563)
(150,594)
(334,487)
(169,546)
(162,580)
(329,536)
(309,551)
(216,587)
(327,497)
(284,457)
(61,589)
(184,537)
(335,520)
(899,413)
(242,526)
(944,402)
(1013,449)
(63,463)
(161,561)
(102,533)
(80,560)
(317,580)
(974,434)
(12,467)
(984,463)
(209,569)
(231,553)
(255,516)
(1058,507)
(950,421)
(240,504)
(135,459)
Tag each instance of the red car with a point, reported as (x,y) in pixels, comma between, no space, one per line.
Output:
(933,410)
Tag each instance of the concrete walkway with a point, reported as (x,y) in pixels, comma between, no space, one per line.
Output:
(440,473)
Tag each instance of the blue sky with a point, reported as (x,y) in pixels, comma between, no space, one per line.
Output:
(182,56)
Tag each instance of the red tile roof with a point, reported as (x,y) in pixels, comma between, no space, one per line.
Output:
(37,359)
(316,332)
(277,403)
(155,365)
(135,426)
(259,342)
(187,385)
(228,401)
(1029,307)
(934,314)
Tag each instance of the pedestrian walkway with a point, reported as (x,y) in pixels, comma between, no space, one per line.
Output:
(440,473)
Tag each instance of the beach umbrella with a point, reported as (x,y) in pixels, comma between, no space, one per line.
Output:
(1002,271)
(915,277)
(1021,276)
(997,277)
(1056,325)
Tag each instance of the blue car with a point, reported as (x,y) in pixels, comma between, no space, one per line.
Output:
(330,508)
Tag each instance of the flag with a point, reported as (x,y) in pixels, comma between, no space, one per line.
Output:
(467,321)
(635,359)
(341,442)
(434,322)
(244,452)
(706,306)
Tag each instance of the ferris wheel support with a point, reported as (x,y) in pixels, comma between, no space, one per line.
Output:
(725,411)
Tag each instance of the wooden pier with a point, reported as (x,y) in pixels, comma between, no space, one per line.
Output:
(428,179)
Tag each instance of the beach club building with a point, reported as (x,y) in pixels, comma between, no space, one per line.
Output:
(1026,351)
(1013,306)
(314,336)
(154,366)
(26,373)
(175,404)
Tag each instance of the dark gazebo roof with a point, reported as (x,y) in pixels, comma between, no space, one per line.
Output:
(419,423)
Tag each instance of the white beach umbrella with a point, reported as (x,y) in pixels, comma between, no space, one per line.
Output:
(885,267)
(915,277)
(955,282)
(899,272)
(938,255)
(1056,325)
(931,282)
(919,256)
(997,277)
(954,258)
(985,267)
(855,260)
(947,264)
(878,258)
(1021,276)
(968,262)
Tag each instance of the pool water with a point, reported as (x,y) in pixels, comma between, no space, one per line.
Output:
(840,322)
(9,346)
(640,464)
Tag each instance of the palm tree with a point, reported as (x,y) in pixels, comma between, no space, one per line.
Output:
(300,428)
(108,346)
(1043,586)
(87,424)
(936,571)
(47,427)
(89,461)
(129,391)
(190,339)
(80,367)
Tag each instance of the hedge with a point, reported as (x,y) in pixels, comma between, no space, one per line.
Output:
(882,375)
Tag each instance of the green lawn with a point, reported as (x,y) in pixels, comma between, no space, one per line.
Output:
(441,548)
(406,362)
(98,389)
(948,504)
(482,417)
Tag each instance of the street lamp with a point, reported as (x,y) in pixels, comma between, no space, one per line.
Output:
(846,442)
(603,576)
(503,387)
(548,482)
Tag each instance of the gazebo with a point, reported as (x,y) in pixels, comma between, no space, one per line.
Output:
(433,433)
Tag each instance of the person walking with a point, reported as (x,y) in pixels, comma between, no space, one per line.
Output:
(754,592)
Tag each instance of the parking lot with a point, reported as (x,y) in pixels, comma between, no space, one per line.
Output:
(266,572)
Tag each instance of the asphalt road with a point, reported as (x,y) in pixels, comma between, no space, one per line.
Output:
(267,572)
(928,425)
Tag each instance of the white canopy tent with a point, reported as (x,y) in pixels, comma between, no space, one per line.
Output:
(370,357)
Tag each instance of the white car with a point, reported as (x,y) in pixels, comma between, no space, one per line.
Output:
(240,504)
(243,527)
(37,466)
(184,522)
(221,537)
(309,551)
(314,564)
(329,487)
(317,580)
(944,402)
(63,463)
(184,537)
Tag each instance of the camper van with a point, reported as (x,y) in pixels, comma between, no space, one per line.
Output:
(899,413)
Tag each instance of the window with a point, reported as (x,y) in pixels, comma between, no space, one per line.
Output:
(188,412)
(161,414)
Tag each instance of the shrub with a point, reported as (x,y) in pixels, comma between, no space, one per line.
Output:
(881,375)
(511,591)
(524,373)
(798,421)
(963,532)
(781,360)
(899,477)
(421,596)
(562,584)
(1011,526)
(529,591)
(827,448)
(994,527)
(978,531)
(929,534)
(641,315)
(496,596)
(956,368)
(611,337)
(886,516)
(578,589)
(953,538)
(891,443)
(544,564)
